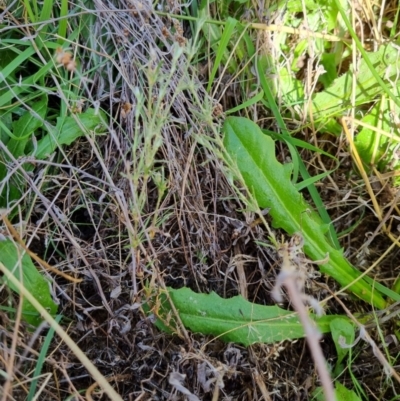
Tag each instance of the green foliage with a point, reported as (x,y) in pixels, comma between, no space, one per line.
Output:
(341,393)
(41,359)
(69,129)
(379,148)
(269,182)
(231,320)
(40,111)
(298,163)
(337,97)
(20,265)
(342,333)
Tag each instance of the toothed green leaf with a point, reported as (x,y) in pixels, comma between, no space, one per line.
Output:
(267,179)
(231,320)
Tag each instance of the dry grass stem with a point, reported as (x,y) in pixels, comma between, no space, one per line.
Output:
(293,276)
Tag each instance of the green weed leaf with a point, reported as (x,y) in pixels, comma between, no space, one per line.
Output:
(231,320)
(344,394)
(341,330)
(269,181)
(17,261)
(341,393)
(25,126)
(68,130)
(375,148)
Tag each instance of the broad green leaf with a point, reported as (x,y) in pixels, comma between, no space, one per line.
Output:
(25,126)
(231,320)
(23,129)
(291,88)
(328,62)
(343,394)
(17,261)
(342,330)
(269,182)
(69,132)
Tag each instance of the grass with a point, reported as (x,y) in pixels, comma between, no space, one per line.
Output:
(115,186)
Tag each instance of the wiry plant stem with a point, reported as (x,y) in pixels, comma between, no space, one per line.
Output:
(313,337)
(293,276)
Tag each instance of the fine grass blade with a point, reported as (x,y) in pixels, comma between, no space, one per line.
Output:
(222,48)
(41,359)
(62,26)
(249,102)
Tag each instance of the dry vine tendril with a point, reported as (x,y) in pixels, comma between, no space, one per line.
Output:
(293,276)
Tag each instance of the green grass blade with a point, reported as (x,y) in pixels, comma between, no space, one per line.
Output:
(41,359)
(46,11)
(249,102)
(17,61)
(62,27)
(298,143)
(33,16)
(25,85)
(223,45)
(382,289)
(310,181)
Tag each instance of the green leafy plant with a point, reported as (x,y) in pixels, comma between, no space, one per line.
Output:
(341,393)
(231,320)
(269,181)
(343,334)
(41,110)
(15,259)
(21,142)
(335,99)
